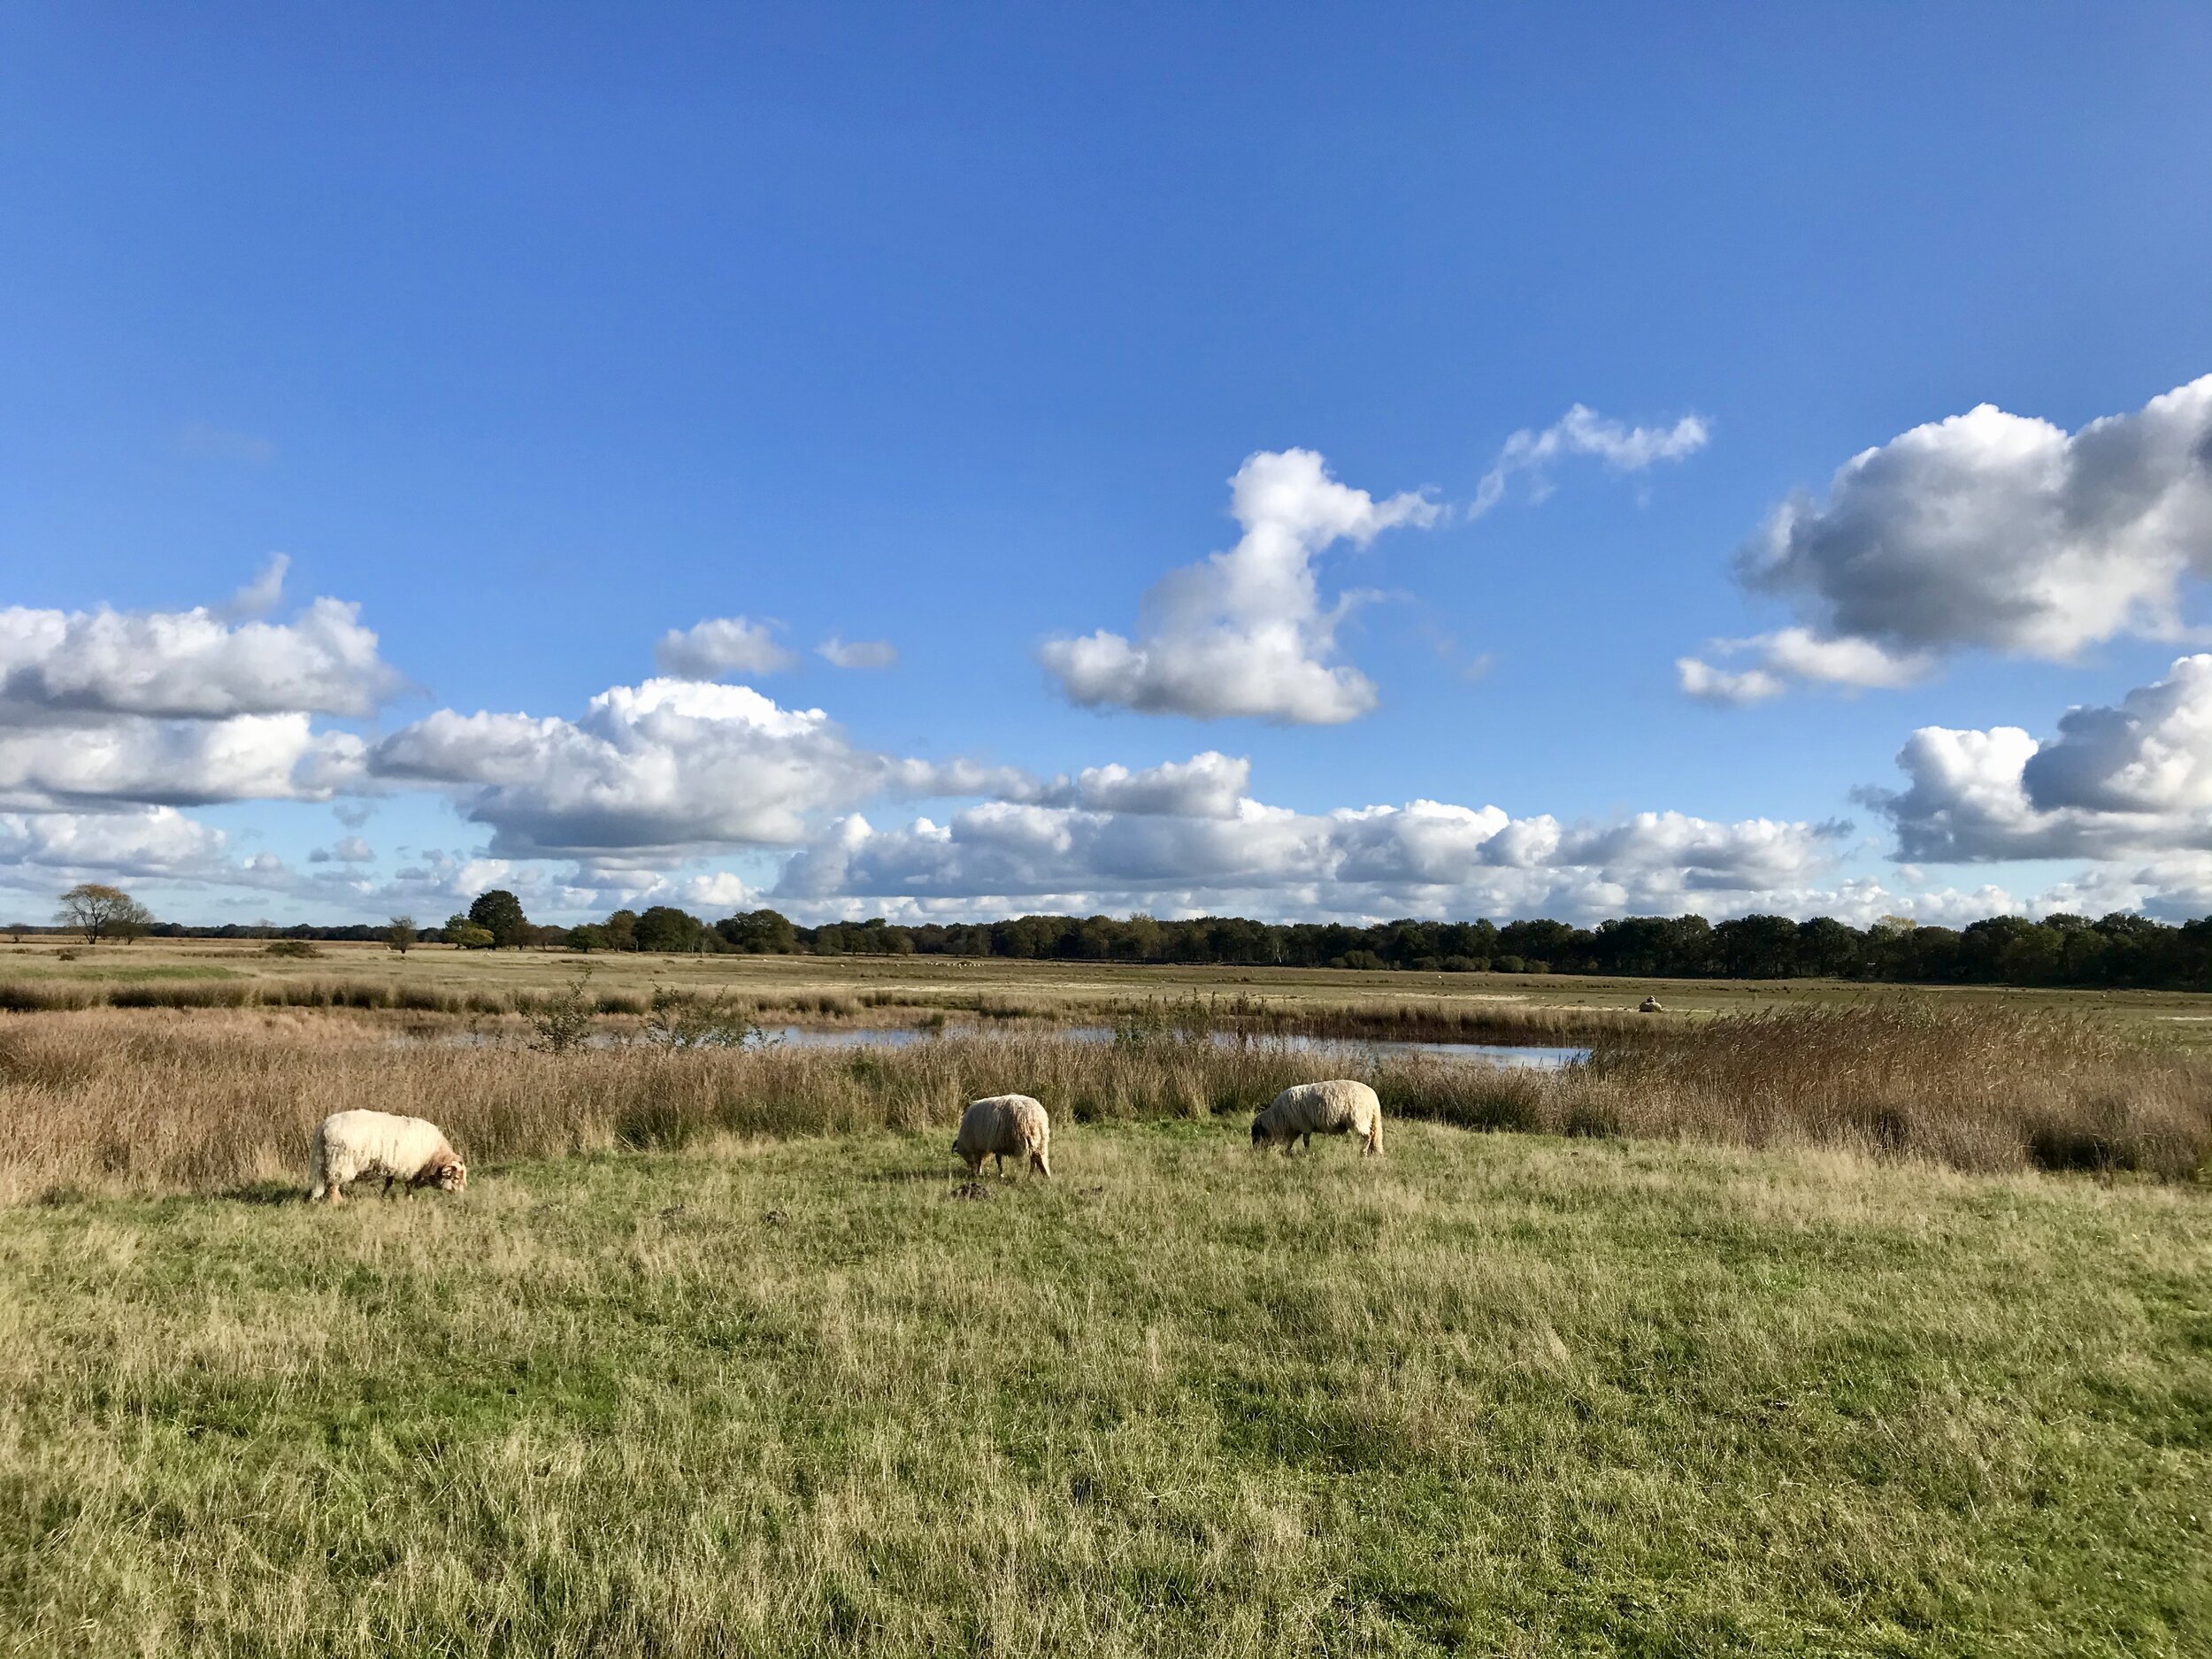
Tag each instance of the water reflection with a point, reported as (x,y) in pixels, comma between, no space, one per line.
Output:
(1533,1056)
(1516,1056)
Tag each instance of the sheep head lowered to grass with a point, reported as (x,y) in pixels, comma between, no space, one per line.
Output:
(1338,1107)
(1004,1125)
(348,1146)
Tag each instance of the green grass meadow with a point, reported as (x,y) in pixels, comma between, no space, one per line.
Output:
(1508,1395)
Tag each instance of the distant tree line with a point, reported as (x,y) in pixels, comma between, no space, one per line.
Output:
(2119,949)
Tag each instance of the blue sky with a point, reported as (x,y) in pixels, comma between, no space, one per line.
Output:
(534,336)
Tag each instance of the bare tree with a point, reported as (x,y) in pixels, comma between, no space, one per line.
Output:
(99,911)
(134,923)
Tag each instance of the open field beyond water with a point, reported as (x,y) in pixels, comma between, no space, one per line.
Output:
(891,989)
(1488,1394)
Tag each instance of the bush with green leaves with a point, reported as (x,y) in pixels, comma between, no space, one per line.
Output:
(564,1019)
(687,1019)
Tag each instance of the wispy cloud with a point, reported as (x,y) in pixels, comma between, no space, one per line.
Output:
(1582,431)
(857,653)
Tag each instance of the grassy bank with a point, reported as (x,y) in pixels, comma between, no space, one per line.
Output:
(118,1100)
(1511,1394)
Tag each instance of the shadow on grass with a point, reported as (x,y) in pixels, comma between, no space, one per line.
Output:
(910,1177)
(368,1192)
(265,1193)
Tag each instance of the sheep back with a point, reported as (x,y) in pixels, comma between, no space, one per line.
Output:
(1337,1107)
(349,1145)
(1002,1126)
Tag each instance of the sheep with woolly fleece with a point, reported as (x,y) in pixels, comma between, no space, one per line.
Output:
(1005,1124)
(350,1144)
(1649,1005)
(1338,1107)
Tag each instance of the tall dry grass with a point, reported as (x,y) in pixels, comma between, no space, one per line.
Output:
(116,1099)
(1976,1087)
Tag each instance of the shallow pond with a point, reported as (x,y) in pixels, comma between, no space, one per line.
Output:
(1525,1056)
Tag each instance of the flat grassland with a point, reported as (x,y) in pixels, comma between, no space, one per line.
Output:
(1858,1323)
(1503,1393)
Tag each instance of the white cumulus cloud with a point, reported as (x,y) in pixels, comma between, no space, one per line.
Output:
(189,665)
(1800,654)
(1246,633)
(670,763)
(1992,531)
(1424,857)
(249,757)
(1211,784)
(153,842)
(722,645)
(2129,781)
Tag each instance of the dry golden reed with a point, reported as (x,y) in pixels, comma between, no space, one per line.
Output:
(153,1101)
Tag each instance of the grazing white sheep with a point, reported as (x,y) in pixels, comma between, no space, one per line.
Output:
(1340,1106)
(350,1144)
(1003,1124)
(1649,1005)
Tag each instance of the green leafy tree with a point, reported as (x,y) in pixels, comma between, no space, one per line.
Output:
(759,933)
(400,934)
(666,928)
(467,935)
(499,913)
(622,931)
(1826,946)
